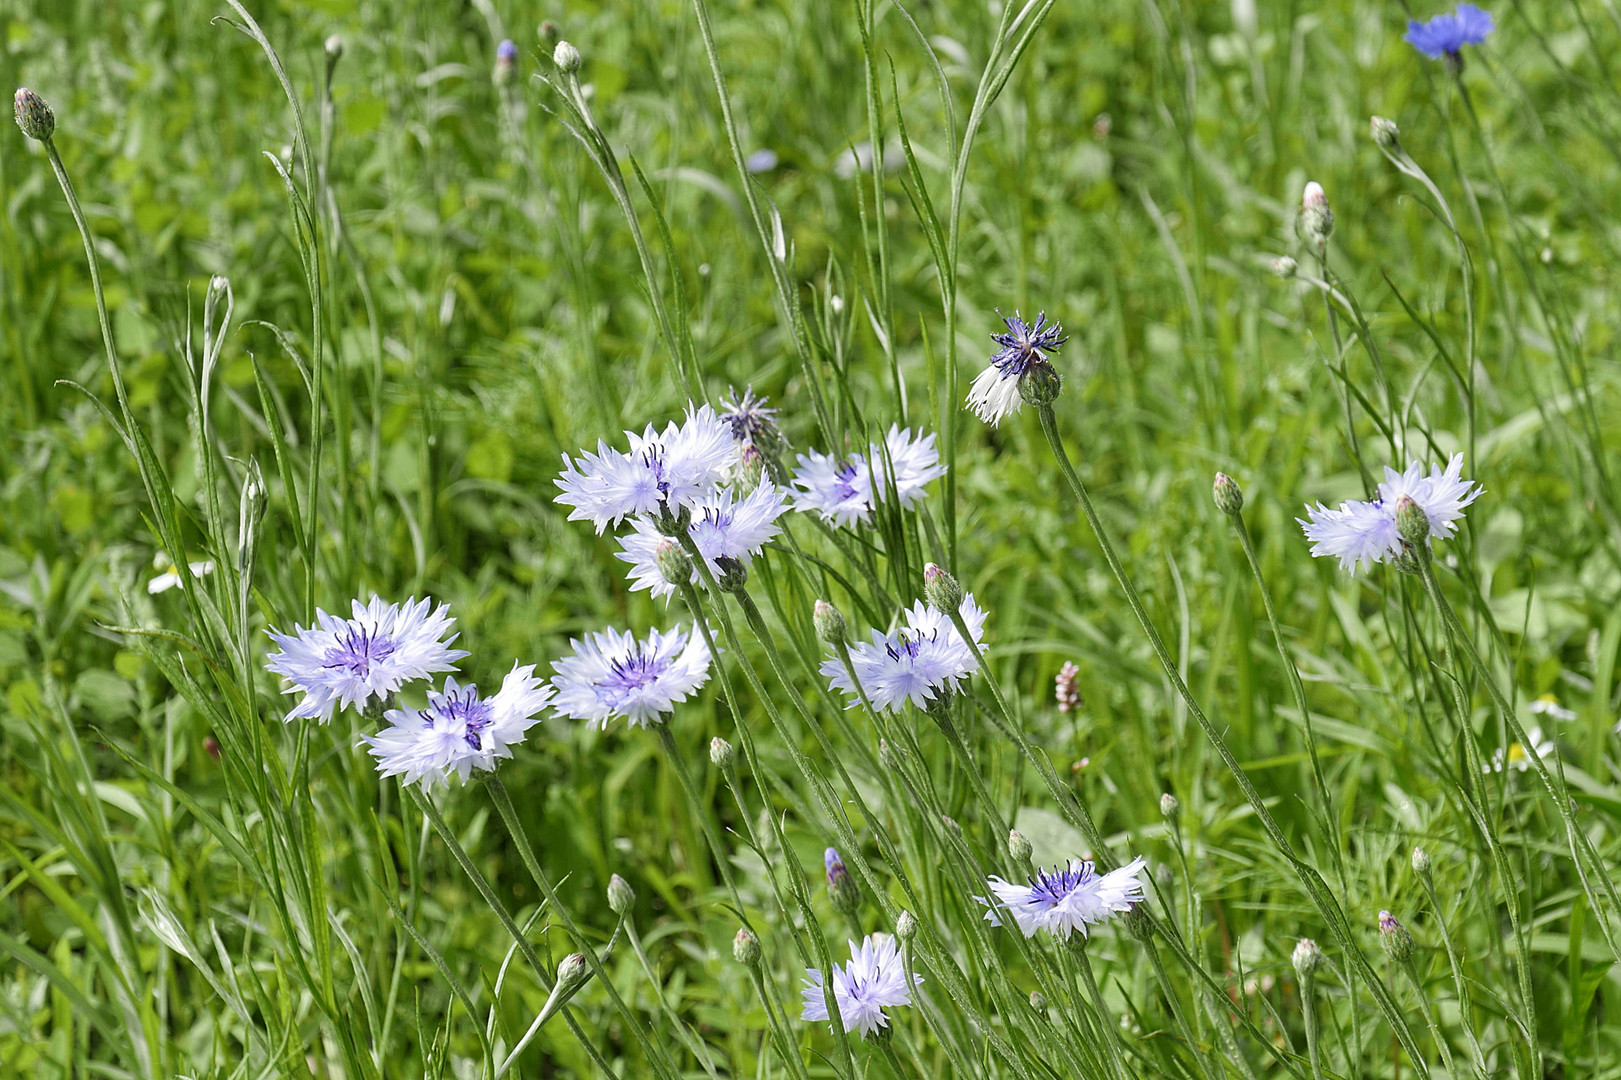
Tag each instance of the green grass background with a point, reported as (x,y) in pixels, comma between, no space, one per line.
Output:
(1135,178)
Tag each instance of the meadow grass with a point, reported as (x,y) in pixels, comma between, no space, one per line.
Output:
(320,293)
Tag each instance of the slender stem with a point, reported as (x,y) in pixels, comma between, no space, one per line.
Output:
(1314,1035)
(1314,885)
(1111,1030)
(1411,971)
(1465,1010)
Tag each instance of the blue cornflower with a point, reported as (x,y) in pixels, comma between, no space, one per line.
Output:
(995,392)
(1444,35)
(611,674)
(459,731)
(507,52)
(1066,898)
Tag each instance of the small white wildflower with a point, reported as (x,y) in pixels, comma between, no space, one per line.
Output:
(459,731)
(1360,534)
(1066,898)
(874,980)
(170,578)
(1548,705)
(611,675)
(913,663)
(348,662)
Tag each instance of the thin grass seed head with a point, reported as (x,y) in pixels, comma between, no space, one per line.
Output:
(348,663)
(1066,898)
(874,980)
(459,731)
(1025,356)
(34,117)
(611,675)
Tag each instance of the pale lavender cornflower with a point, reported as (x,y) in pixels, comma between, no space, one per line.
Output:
(662,470)
(1360,534)
(459,731)
(723,526)
(1445,35)
(348,662)
(994,394)
(918,661)
(874,980)
(842,490)
(611,674)
(1066,898)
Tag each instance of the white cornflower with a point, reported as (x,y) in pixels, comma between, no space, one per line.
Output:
(1548,705)
(994,394)
(459,731)
(612,674)
(915,662)
(666,468)
(1360,534)
(874,980)
(722,527)
(842,490)
(347,662)
(171,578)
(1066,898)
(1518,755)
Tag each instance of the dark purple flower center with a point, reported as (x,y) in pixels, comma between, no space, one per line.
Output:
(908,645)
(1051,886)
(748,417)
(844,481)
(461,706)
(1025,344)
(357,649)
(631,673)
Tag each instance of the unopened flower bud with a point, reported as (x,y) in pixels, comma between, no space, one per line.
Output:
(1385,132)
(842,890)
(1138,924)
(1228,495)
(1421,862)
(1394,937)
(1285,267)
(547,32)
(733,574)
(1037,1001)
(906,927)
(1412,524)
(1169,807)
(670,522)
(1316,219)
(566,57)
(1308,958)
(1040,384)
(1409,561)
(673,563)
(753,465)
(334,49)
(941,590)
(721,754)
(1019,847)
(572,971)
(34,116)
(620,895)
(506,62)
(746,948)
(829,623)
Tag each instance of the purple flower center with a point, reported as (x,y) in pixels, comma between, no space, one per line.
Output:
(1025,344)
(461,705)
(630,674)
(844,481)
(357,649)
(907,645)
(1051,886)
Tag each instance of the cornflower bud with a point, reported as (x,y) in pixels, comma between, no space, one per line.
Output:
(733,574)
(841,887)
(1169,807)
(566,57)
(1316,219)
(906,927)
(506,62)
(1228,495)
(1040,384)
(673,563)
(829,623)
(940,589)
(746,948)
(1412,524)
(721,754)
(753,465)
(572,971)
(1019,847)
(1308,958)
(1037,1001)
(1394,937)
(334,49)
(34,116)
(620,895)
(1421,862)
(1385,133)
(547,32)
(1285,267)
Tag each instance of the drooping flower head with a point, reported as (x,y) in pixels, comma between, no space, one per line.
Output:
(1066,898)
(874,980)
(1445,35)
(348,662)
(1360,534)
(722,527)
(459,731)
(844,491)
(611,674)
(918,661)
(665,470)
(1025,346)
